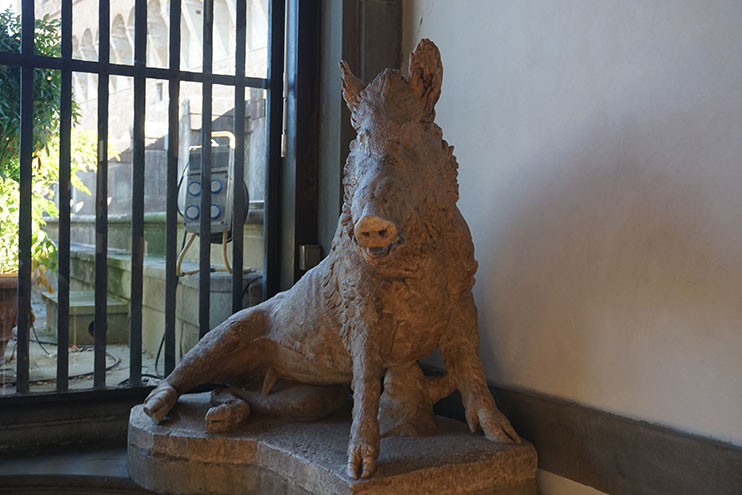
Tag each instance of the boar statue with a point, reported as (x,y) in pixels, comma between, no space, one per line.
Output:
(396,286)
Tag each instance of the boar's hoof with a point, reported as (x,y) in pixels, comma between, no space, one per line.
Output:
(361,460)
(160,401)
(228,411)
(495,425)
(226,416)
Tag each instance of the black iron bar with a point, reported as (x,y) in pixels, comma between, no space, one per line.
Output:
(93,67)
(65,195)
(240,204)
(171,225)
(274,114)
(137,195)
(204,274)
(101,202)
(24,213)
(252,82)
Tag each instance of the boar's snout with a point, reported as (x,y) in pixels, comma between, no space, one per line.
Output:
(375,233)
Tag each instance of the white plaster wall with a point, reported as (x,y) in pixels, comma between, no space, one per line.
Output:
(600,145)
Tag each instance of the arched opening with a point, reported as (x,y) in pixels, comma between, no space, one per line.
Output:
(87,46)
(79,80)
(130,26)
(157,36)
(185,45)
(225,35)
(120,46)
(88,51)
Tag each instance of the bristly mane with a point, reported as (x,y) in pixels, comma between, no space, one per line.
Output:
(383,107)
(388,99)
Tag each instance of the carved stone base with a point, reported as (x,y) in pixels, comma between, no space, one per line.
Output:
(267,456)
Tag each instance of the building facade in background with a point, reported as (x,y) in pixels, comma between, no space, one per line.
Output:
(85,43)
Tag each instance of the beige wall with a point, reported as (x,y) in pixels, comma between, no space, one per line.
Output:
(600,145)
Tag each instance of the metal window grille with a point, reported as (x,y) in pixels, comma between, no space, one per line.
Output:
(27,61)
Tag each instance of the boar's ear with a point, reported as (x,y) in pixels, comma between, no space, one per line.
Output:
(352,86)
(426,74)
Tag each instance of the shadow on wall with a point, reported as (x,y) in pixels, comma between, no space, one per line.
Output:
(614,275)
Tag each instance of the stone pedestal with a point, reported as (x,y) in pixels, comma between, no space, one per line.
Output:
(268,456)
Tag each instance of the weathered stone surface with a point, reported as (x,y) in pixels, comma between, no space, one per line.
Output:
(271,456)
(82,315)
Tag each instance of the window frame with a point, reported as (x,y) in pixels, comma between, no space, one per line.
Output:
(79,406)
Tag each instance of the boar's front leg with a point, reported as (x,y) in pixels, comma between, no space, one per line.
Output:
(363,448)
(460,351)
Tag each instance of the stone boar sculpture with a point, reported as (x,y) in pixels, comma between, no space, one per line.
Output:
(396,286)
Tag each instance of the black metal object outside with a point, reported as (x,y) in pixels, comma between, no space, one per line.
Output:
(65,195)
(299,172)
(204,253)
(240,204)
(171,220)
(274,115)
(24,220)
(137,195)
(93,67)
(101,201)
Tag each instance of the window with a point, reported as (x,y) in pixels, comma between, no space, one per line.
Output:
(123,110)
